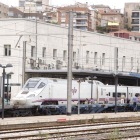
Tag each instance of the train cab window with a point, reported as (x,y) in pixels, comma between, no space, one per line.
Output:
(32,83)
(41,85)
(109,94)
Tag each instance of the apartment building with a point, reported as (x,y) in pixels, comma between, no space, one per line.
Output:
(81,19)
(114,20)
(102,8)
(3,10)
(16,13)
(131,16)
(33,6)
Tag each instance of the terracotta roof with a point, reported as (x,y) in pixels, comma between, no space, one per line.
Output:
(125,31)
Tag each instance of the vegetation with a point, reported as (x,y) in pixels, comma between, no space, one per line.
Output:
(101,29)
(128,28)
(52,22)
(116,135)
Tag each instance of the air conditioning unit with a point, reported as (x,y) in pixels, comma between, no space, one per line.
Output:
(58,66)
(40,61)
(59,62)
(76,65)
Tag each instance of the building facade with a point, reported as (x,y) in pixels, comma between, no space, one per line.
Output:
(102,8)
(3,10)
(47,55)
(33,6)
(112,19)
(131,16)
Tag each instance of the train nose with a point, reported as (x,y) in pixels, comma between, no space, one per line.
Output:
(18,101)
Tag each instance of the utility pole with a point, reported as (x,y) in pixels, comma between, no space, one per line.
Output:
(23,63)
(69,73)
(115,75)
(36,35)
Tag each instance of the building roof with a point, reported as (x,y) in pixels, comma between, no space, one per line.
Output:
(101,6)
(125,31)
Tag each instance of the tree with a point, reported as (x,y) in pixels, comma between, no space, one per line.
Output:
(128,28)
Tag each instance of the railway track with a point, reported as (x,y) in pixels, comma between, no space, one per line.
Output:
(102,131)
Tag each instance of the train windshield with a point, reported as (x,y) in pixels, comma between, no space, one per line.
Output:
(32,83)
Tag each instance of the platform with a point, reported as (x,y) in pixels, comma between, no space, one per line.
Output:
(74,117)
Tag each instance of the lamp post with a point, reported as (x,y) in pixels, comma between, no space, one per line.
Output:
(8,84)
(4,67)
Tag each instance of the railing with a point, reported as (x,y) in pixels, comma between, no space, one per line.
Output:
(135,30)
(134,22)
(126,65)
(135,16)
(81,17)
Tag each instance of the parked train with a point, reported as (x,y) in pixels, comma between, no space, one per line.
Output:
(47,91)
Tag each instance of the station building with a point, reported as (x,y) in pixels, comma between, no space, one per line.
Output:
(46,54)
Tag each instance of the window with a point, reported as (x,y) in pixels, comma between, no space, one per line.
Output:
(21,4)
(132,61)
(126,14)
(63,14)
(54,53)
(104,11)
(115,18)
(7,50)
(32,83)
(118,94)
(43,52)
(27,8)
(39,8)
(95,58)
(33,8)
(103,58)
(32,51)
(123,62)
(74,56)
(111,18)
(126,20)
(11,13)
(62,20)
(19,16)
(41,85)
(87,57)
(64,55)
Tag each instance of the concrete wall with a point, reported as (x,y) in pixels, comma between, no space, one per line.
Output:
(85,45)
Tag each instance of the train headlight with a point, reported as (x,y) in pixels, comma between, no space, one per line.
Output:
(32,95)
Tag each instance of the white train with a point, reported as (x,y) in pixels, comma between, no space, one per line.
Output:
(47,91)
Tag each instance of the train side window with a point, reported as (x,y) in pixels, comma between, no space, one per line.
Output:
(109,94)
(119,94)
(101,91)
(41,85)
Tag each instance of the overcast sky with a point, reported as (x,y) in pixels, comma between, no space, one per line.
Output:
(112,3)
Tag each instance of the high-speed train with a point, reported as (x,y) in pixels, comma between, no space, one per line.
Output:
(47,91)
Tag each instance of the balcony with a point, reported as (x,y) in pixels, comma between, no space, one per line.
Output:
(135,16)
(81,17)
(135,30)
(80,24)
(135,23)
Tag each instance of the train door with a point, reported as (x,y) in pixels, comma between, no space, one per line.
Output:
(50,91)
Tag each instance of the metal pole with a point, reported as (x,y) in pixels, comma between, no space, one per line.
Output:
(23,63)
(70,50)
(116,83)
(3,92)
(91,87)
(7,86)
(79,98)
(127,93)
(36,36)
